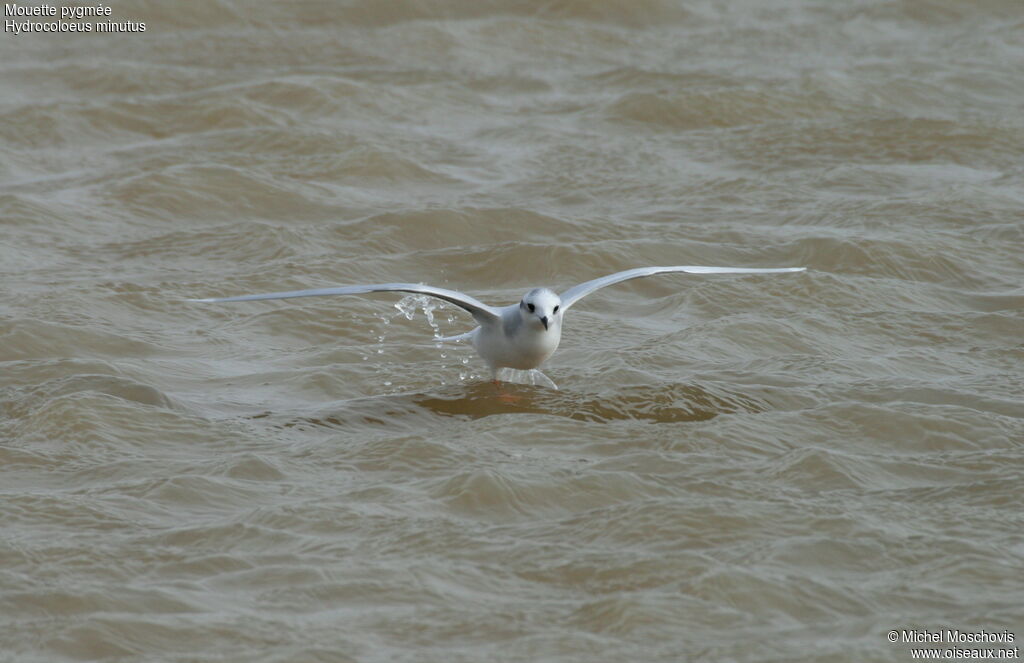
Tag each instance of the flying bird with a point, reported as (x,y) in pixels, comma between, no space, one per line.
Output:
(520,336)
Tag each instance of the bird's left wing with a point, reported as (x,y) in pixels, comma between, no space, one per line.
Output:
(481,312)
(575,293)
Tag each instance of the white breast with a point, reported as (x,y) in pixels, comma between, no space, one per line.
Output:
(525,349)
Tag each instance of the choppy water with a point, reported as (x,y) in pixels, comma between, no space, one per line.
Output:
(735,468)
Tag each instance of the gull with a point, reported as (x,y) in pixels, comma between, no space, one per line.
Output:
(519,336)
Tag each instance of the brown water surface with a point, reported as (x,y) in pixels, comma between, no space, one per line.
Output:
(743,468)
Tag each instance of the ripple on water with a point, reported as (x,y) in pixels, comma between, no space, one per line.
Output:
(666,404)
(28,338)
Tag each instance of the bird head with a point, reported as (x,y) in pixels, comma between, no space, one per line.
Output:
(541,308)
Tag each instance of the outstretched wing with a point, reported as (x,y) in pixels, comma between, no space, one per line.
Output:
(573,294)
(481,312)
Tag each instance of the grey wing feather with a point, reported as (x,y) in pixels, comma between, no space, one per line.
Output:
(573,294)
(480,311)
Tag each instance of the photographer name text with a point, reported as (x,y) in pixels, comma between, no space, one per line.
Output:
(951,636)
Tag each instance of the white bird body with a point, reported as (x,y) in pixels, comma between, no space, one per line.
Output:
(516,340)
(521,336)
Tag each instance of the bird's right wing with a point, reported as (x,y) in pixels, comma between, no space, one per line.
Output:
(481,312)
(573,294)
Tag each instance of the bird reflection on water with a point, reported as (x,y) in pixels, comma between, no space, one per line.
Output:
(674,403)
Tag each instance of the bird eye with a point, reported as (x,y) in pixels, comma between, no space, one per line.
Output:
(531,307)
(555,310)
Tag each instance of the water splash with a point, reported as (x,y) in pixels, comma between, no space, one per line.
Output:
(437,314)
(381,333)
(409,304)
(532,377)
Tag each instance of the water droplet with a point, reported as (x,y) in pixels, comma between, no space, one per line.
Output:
(408,304)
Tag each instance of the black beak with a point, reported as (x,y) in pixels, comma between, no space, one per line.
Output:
(544,321)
